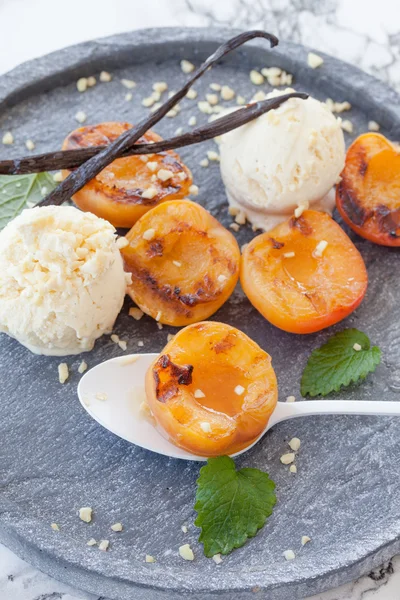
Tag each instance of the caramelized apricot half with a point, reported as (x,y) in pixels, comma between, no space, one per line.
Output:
(212,390)
(128,187)
(304,275)
(184,264)
(368,196)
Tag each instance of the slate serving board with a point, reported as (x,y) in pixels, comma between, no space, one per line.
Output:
(55,459)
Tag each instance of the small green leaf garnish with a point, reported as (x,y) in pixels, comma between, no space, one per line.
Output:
(17,190)
(338,364)
(231,505)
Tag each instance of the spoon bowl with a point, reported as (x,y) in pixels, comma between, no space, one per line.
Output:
(113,394)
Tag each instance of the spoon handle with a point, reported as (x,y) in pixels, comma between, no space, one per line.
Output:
(290,410)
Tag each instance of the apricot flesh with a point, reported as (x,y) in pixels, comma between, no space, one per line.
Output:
(368,196)
(184,264)
(296,287)
(120,192)
(212,390)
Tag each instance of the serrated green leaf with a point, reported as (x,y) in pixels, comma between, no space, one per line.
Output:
(231,505)
(336,364)
(17,190)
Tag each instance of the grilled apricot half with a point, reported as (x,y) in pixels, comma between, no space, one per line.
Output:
(184,264)
(368,196)
(128,187)
(304,275)
(212,390)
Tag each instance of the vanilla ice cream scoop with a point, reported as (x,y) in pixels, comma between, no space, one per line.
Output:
(288,157)
(62,281)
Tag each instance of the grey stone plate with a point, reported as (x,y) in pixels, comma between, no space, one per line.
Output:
(55,459)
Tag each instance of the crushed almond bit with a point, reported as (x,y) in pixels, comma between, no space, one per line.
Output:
(147,102)
(114,338)
(160,326)
(123,345)
(140,344)
(128,83)
(63,372)
(82,84)
(177,263)
(149,234)
(158,315)
(290,399)
(314,61)
(240,218)
(116,527)
(55,527)
(186,552)
(347,126)
(373,126)
(234,226)
(150,559)
(337,107)
(205,107)
(295,444)
(227,93)
(217,559)
(8,138)
(152,165)
(179,131)
(192,94)
(221,278)
(320,248)
(165,174)
(194,190)
(357,347)
(136,313)
(122,242)
(289,554)
(216,87)
(184,528)
(256,78)
(204,162)
(181,175)
(199,394)
(105,77)
(128,96)
(156,96)
(82,367)
(160,86)
(85,514)
(104,544)
(30,145)
(212,99)
(150,193)
(187,66)
(102,396)
(172,113)
(239,389)
(299,211)
(240,100)
(57,177)
(206,427)
(91,542)
(192,121)
(170,337)
(288,458)
(212,155)
(91,81)
(289,254)
(305,539)
(233,211)
(293,469)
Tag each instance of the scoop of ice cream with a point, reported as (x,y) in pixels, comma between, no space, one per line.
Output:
(288,157)
(62,281)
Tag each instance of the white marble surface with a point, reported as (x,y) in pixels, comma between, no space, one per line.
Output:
(364,33)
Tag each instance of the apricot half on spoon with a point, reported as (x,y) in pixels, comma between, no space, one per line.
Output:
(128,187)
(184,264)
(368,196)
(304,275)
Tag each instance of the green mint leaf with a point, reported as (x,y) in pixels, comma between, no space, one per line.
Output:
(231,505)
(17,190)
(338,364)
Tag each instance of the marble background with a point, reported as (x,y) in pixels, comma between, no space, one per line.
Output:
(360,32)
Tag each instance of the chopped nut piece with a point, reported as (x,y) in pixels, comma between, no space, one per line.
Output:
(150,559)
(147,102)
(192,94)
(337,107)
(239,389)
(82,367)
(149,234)
(357,347)
(184,528)
(160,326)
(160,86)
(192,121)
(290,399)
(150,193)
(165,174)
(91,81)
(221,278)
(240,218)
(305,539)
(293,469)
(128,96)
(199,394)
(8,138)
(289,554)
(55,527)
(82,84)
(187,66)
(212,99)
(136,313)
(204,162)
(128,83)
(256,78)
(122,242)
(63,372)
(234,226)
(186,552)
(194,190)
(114,338)
(170,337)
(240,100)
(181,175)
(288,458)
(205,107)
(58,177)
(123,345)
(289,254)
(85,514)
(179,131)
(116,527)
(152,165)
(347,126)
(299,211)
(105,77)
(30,145)
(158,315)
(102,396)
(206,427)
(314,61)
(216,87)
(227,93)
(91,542)
(217,559)
(140,344)
(233,211)
(295,444)
(177,263)
(320,248)
(373,126)
(104,544)
(212,155)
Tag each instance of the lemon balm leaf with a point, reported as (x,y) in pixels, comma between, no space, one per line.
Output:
(17,190)
(231,505)
(346,358)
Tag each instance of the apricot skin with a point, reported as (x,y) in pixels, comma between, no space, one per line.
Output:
(115,194)
(304,293)
(368,196)
(214,358)
(189,267)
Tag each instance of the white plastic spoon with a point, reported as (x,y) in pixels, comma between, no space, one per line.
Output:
(113,391)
